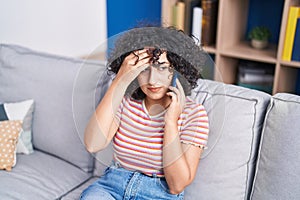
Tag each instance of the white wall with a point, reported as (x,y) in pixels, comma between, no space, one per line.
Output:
(63,27)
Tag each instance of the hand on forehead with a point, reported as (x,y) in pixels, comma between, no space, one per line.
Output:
(156,55)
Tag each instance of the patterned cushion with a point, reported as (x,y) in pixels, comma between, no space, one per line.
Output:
(9,134)
(20,111)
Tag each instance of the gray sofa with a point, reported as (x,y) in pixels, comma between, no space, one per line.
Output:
(253,149)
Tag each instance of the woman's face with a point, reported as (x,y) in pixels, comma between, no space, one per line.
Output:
(155,80)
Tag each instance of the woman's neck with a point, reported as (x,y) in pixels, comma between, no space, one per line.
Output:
(155,107)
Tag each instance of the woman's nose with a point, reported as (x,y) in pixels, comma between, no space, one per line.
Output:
(153,76)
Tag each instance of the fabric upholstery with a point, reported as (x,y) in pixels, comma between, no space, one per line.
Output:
(75,194)
(236,117)
(278,169)
(40,176)
(65,91)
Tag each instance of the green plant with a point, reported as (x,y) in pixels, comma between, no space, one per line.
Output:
(260,33)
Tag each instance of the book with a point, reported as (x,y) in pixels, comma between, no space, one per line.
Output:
(257,78)
(174,16)
(188,16)
(294,12)
(209,21)
(298,83)
(178,11)
(256,75)
(197,24)
(167,8)
(296,46)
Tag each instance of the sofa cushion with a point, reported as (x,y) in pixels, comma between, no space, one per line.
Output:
(9,134)
(236,117)
(65,91)
(40,176)
(23,111)
(278,168)
(75,194)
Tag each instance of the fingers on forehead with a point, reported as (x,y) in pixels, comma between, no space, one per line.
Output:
(141,51)
(141,54)
(146,50)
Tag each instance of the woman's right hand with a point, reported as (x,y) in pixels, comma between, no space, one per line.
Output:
(132,65)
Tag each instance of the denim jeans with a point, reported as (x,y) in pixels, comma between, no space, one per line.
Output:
(119,183)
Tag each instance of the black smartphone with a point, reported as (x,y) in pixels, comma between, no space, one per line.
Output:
(175,75)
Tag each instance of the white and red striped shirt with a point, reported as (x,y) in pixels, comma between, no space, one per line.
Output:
(139,140)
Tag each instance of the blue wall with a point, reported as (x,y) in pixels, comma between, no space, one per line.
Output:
(123,15)
(266,13)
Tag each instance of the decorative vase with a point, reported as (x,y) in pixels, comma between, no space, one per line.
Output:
(259,44)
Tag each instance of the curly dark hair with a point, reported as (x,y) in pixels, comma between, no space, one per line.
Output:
(184,55)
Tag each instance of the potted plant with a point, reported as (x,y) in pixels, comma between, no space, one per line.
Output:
(260,36)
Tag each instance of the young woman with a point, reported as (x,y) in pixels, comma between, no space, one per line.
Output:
(158,133)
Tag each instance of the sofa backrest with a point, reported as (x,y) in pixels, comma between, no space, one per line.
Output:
(278,166)
(65,91)
(236,118)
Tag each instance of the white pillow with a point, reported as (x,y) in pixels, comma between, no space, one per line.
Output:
(20,111)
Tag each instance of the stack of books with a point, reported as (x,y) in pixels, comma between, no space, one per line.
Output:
(197,18)
(291,48)
(256,75)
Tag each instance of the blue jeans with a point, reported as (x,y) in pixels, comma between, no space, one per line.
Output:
(119,183)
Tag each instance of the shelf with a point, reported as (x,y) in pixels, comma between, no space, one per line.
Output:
(234,17)
(287,78)
(210,49)
(290,64)
(243,50)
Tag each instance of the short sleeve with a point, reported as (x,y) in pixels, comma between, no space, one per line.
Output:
(195,127)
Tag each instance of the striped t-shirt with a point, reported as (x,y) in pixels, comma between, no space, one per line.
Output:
(139,139)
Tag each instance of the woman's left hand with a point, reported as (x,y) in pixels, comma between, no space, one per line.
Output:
(177,103)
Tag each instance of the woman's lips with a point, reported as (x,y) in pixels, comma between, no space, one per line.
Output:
(154,89)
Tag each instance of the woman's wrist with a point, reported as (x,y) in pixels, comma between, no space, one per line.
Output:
(171,121)
(171,128)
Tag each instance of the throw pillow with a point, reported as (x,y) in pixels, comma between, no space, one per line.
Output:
(20,111)
(9,134)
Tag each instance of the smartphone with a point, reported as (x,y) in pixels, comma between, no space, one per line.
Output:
(175,75)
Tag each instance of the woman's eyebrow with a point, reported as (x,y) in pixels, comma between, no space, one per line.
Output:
(164,63)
